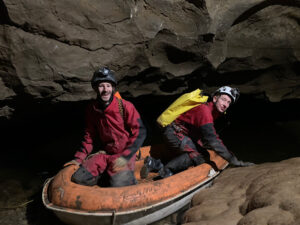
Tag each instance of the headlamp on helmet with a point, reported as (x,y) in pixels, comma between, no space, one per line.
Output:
(103,74)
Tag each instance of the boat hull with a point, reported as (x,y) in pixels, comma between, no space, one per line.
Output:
(142,210)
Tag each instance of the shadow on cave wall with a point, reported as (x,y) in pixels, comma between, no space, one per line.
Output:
(43,136)
(262,131)
(4,18)
(244,16)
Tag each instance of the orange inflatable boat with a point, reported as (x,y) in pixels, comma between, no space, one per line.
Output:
(148,201)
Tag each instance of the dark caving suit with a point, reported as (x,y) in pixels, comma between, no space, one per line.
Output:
(120,136)
(193,132)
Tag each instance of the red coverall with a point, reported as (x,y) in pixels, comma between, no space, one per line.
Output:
(194,132)
(118,137)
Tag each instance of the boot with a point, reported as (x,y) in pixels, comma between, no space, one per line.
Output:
(178,164)
(165,172)
(150,164)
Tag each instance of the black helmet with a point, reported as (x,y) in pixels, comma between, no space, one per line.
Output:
(103,74)
(233,93)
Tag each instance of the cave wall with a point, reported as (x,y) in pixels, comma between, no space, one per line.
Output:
(159,49)
(49,49)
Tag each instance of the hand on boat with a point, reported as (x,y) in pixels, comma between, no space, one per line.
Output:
(119,163)
(72,162)
(244,164)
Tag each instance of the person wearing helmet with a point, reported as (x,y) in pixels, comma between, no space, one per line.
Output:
(192,133)
(117,125)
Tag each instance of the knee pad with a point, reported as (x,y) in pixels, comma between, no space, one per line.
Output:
(84,177)
(123,178)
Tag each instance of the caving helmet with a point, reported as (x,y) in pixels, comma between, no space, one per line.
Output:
(233,93)
(103,74)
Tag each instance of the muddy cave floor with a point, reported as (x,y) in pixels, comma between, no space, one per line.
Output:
(35,146)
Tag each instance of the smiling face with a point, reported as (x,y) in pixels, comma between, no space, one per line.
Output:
(105,90)
(222,102)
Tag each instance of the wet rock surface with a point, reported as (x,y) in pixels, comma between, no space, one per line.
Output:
(262,194)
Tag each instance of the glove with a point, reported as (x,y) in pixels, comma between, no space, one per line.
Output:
(99,152)
(102,152)
(119,163)
(235,162)
(72,162)
(244,164)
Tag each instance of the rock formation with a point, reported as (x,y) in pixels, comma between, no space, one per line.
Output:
(263,194)
(49,49)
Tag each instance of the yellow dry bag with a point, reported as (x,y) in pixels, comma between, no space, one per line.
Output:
(182,104)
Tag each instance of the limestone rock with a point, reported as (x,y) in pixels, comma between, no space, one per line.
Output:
(262,194)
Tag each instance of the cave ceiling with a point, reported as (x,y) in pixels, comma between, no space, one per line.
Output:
(49,49)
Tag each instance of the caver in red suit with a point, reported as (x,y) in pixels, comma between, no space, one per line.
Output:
(192,133)
(118,126)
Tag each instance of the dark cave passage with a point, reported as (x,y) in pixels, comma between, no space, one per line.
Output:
(46,136)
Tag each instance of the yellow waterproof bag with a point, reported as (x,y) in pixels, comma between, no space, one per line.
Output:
(182,104)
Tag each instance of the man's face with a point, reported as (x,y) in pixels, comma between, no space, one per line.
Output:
(222,102)
(105,90)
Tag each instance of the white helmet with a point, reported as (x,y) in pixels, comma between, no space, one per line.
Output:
(233,93)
